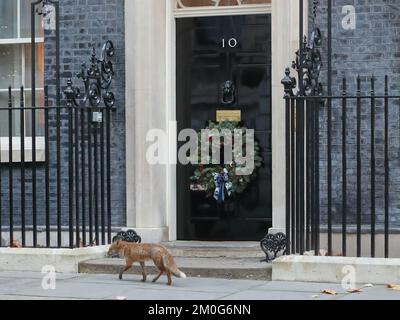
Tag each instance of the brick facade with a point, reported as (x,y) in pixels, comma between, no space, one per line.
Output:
(371,49)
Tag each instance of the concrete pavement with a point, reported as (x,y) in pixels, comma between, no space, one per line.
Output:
(28,286)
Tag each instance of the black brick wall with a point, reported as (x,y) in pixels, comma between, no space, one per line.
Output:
(83,24)
(373,48)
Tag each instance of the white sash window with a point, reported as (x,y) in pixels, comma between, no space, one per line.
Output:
(15,70)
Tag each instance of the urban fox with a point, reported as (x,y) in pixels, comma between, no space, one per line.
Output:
(135,252)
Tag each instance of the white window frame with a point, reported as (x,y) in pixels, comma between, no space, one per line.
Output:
(16,149)
(16,141)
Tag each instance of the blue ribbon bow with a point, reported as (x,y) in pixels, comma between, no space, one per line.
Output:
(223,186)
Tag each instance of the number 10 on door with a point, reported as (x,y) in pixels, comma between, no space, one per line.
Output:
(231,43)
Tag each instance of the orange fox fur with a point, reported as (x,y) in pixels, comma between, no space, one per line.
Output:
(134,252)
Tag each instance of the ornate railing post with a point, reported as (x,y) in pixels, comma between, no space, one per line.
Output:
(310,61)
(299,115)
(71,94)
(97,79)
(128,236)
(289,83)
(96,101)
(273,244)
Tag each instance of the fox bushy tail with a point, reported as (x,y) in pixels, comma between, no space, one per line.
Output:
(171,266)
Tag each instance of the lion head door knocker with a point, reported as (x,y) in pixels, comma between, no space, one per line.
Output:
(228,93)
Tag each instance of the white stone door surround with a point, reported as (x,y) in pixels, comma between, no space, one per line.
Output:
(150,104)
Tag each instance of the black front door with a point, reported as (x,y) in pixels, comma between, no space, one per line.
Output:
(211,51)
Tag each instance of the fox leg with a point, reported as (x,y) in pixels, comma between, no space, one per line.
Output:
(158,277)
(169,283)
(127,267)
(143,272)
(159,264)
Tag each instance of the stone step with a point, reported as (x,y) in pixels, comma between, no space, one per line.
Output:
(210,267)
(237,250)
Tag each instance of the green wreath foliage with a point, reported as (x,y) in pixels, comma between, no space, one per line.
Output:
(203,176)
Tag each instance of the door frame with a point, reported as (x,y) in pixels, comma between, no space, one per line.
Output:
(172,15)
(149,25)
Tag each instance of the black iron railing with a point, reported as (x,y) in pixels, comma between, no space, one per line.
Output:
(359,126)
(79,213)
(56,177)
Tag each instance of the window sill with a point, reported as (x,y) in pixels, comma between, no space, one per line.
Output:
(21,40)
(16,150)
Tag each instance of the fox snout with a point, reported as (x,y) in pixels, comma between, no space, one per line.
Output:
(108,253)
(113,252)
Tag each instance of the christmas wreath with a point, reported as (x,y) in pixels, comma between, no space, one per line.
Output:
(219,180)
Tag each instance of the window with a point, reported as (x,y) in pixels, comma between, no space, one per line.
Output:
(217,3)
(15,65)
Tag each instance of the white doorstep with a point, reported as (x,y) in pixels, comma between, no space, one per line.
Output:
(335,269)
(63,260)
